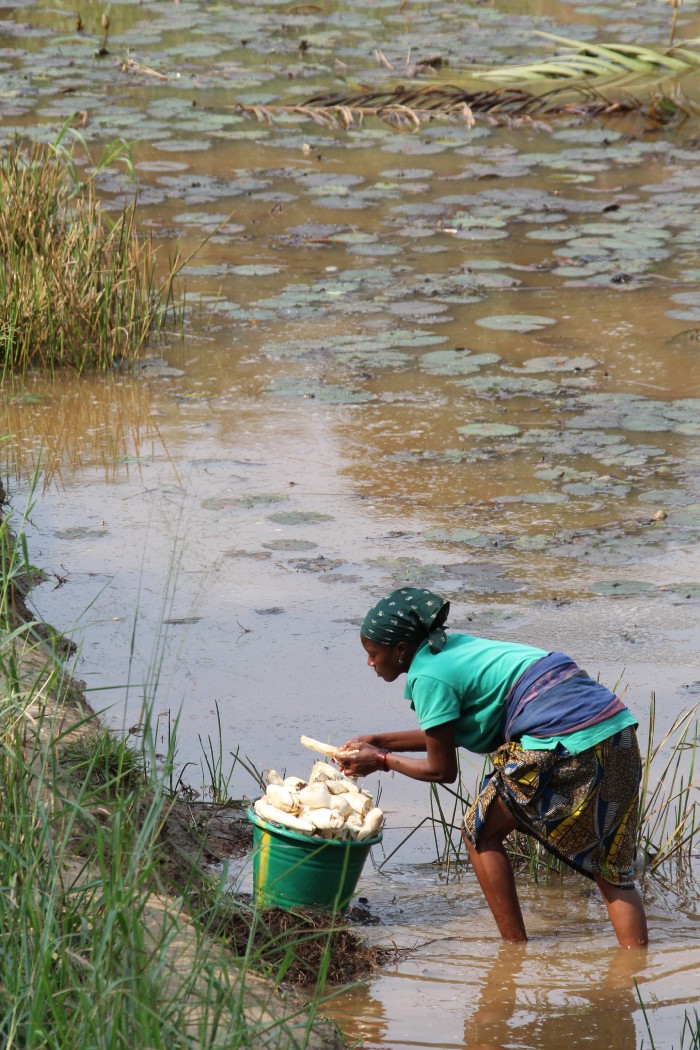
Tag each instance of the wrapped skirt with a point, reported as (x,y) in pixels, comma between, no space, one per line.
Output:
(582,808)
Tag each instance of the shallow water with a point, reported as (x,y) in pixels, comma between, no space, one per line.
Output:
(569,986)
(464,358)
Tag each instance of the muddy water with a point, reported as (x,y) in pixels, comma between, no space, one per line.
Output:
(460,358)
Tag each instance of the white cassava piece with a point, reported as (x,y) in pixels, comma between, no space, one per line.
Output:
(329,750)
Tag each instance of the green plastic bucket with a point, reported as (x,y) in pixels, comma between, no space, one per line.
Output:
(291,870)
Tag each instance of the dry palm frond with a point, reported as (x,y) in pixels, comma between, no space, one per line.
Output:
(410,107)
(628,79)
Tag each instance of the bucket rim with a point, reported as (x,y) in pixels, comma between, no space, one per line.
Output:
(268,825)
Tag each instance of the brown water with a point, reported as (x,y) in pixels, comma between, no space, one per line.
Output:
(338,420)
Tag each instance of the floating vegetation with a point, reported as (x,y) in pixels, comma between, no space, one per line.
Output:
(628,78)
(411,107)
(588,60)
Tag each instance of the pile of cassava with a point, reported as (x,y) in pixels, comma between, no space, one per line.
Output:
(328,804)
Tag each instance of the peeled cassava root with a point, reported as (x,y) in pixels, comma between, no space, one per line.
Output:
(328,805)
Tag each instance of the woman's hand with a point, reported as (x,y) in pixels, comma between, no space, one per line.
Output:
(358,757)
(355,741)
(362,755)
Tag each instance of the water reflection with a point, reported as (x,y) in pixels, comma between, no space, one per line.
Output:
(511,1006)
(531,996)
(78,423)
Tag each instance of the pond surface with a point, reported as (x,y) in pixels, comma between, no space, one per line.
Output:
(465,358)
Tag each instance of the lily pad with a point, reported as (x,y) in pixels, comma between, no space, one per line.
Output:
(538,541)
(325,393)
(248,499)
(290,545)
(299,517)
(318,564)
(622,588)
(560,364)
(455,362)
(670,496)
(489,430)
(689,515)
(516,322)
(543,498)
(470,537)
(255,270)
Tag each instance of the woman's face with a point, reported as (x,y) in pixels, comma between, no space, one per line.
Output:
(385,659)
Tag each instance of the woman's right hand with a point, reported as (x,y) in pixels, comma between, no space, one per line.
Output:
(358,758)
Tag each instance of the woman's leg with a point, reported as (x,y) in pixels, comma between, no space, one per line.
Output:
(495,872)
(626,912)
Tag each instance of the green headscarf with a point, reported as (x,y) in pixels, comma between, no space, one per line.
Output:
(408,615)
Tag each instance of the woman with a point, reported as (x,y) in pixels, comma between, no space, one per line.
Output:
(564,749)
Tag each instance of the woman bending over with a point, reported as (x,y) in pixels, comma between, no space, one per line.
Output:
(564,749)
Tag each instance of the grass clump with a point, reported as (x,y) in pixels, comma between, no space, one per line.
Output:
(78,288)
(108,766)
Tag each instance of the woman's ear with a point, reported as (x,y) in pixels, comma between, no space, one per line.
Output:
(404,652)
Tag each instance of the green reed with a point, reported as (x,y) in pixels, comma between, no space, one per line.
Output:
(669,821)
(78,288)
(690,1032)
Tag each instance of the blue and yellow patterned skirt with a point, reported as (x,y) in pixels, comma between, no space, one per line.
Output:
(582,808)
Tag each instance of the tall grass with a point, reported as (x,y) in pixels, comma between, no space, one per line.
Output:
(669,820)
(78,288)
(94,953)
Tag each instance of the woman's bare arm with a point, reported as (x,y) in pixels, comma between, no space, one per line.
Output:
(399,740)
(439,765)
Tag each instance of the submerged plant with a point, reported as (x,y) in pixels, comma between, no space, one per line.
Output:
(77,288)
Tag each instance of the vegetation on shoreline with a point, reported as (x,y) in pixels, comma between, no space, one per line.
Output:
(112,937)
(78,288)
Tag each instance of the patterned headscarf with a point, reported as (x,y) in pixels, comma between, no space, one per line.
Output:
(408,615)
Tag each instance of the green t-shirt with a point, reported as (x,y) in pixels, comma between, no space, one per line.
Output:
(467,683)
(581,739)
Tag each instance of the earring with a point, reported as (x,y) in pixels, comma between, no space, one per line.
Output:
(401,660)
